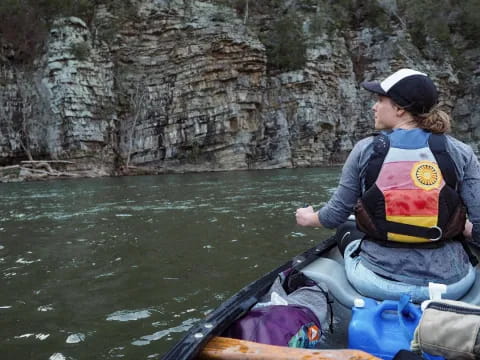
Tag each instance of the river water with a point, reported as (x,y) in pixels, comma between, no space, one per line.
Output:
(121,267)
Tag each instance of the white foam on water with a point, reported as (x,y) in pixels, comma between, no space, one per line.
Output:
(129,315)
(223,210)
(147,339)
(140,342)
(75,338)
(220,296)
(298,234)
(23,261)
(39,336)
(44,308)
(57,356)
(6,307)
(42,337)
(104,275)
(116,352)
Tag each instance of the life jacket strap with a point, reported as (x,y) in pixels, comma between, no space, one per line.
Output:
(471,256)
(381,144)
(438,146)
(433,233)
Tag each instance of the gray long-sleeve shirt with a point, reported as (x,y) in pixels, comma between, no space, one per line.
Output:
(447,264)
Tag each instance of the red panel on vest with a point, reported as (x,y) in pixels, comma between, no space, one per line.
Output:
(411,202)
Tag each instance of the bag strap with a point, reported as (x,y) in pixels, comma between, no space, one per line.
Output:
(407,355)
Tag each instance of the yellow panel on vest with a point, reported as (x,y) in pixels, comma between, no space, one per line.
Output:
(425,221)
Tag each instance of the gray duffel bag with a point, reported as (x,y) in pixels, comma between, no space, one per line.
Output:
(450,329)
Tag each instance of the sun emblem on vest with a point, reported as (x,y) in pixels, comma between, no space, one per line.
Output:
(426,175)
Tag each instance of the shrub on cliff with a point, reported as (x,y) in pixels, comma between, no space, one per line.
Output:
(357,14)
(80,50)
(286,43)
(438,19)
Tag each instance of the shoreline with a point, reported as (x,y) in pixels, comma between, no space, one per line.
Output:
(20,174)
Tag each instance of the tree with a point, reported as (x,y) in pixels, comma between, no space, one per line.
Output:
(21,123)
(134,94)
(245,18)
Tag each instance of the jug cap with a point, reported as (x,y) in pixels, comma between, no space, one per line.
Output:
(359,303)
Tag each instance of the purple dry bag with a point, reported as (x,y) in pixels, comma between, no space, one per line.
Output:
(290,314)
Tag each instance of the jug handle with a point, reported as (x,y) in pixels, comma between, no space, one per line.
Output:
(409,315)
(386,305)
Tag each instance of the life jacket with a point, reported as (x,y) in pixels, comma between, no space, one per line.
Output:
(410,190)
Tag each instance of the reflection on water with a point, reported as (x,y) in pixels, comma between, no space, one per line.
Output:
(122,267)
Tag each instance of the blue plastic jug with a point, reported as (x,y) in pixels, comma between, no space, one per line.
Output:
(382,329)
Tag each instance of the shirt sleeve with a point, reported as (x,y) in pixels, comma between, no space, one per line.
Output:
(470,193)
(341,204)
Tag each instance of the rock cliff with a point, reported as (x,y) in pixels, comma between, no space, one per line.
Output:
(186,86)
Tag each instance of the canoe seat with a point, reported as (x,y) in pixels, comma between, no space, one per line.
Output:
(331,272)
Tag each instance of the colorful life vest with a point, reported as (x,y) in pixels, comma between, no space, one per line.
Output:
(410,190)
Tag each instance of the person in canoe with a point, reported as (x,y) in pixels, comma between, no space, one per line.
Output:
(410,188)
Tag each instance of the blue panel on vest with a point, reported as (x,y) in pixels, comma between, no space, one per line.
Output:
(409,139)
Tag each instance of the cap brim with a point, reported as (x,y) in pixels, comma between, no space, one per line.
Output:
(374,87)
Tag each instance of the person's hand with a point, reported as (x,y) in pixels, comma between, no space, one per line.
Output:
(307,217)
(467,232)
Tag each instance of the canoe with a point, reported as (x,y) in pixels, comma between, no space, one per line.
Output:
(322,263)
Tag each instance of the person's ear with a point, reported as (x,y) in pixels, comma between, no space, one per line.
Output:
(400,111)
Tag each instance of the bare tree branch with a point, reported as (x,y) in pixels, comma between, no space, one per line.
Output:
(135,95)
(245,19)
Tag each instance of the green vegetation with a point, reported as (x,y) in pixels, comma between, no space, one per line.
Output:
(438,19)
(283,25)
(357,14)
(286,43)
(24,24)
(80,50)
(255,7)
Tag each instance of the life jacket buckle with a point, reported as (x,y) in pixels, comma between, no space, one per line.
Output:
(439,231)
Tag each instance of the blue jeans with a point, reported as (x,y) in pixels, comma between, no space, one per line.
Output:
(372,285)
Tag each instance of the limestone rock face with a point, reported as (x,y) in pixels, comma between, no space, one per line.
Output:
(185,86)
(77,87)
